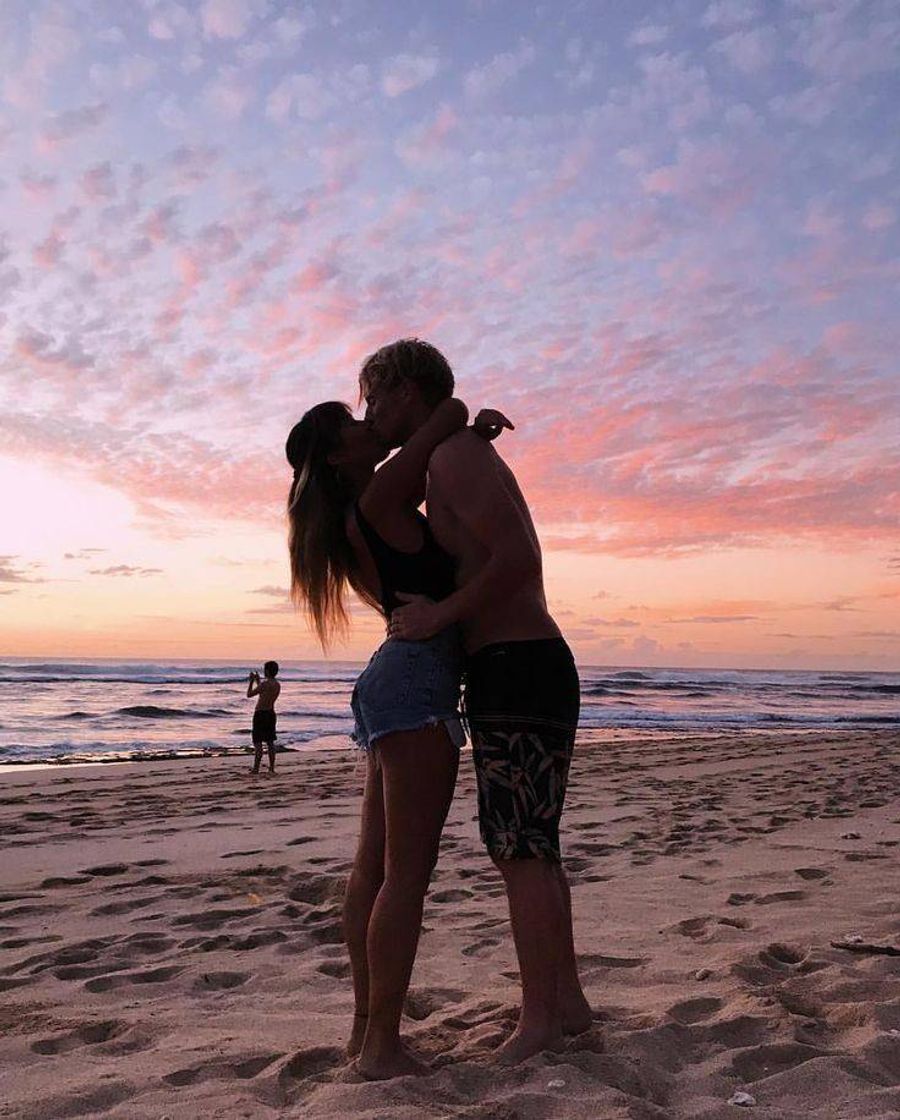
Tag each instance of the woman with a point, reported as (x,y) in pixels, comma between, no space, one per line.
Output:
(353,525)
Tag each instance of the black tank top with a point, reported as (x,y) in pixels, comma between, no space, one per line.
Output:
(428,572)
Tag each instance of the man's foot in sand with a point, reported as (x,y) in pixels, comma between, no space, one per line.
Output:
(398,1064)
(524,1044)
(357,1034)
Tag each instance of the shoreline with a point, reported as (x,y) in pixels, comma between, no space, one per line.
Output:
(172,942)
(590,736)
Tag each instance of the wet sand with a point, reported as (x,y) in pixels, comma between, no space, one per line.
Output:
(170,940)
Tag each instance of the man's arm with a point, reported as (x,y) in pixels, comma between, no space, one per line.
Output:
(402,477)
(470,478)
(253,685)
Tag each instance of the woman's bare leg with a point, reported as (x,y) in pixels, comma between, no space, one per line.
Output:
(418,770)
(362,889)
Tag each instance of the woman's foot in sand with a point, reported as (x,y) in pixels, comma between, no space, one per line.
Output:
(398,1064)
(524,1044)
(357,1033)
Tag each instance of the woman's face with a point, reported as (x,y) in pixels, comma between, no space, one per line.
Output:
(359,445)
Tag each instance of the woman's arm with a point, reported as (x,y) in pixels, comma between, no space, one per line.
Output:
(400,480)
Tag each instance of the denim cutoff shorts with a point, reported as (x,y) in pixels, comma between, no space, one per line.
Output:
(409,685)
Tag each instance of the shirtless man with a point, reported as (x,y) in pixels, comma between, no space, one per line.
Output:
(521,694)
(268,690)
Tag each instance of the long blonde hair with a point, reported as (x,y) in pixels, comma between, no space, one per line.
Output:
(322,558)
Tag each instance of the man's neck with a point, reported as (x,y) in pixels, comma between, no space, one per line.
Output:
(419,413)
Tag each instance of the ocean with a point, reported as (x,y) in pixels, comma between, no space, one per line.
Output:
(95,710)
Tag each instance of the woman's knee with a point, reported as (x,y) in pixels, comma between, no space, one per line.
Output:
(410,876)
(365,879)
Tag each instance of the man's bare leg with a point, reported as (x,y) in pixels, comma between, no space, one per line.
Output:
(537,913)
(271,758)
(419,773)
(257,757)
(575,1011)
(363,886)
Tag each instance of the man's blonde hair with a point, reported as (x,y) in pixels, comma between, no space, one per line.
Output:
(408,359)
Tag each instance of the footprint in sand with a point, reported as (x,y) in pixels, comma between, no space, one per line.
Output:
(112,908)
(734,923)
(339,969)
(480,947)
(151,976)
(694,927)
(7,984)
(83,952)
(315,1064)
(257,940)
(244,1069)
(481,1013)
(689,1011)
(21,942)
(219,981)
(149,941)
(762,1061)
(781,896)
(422,1002)
(84,971)
(316,889)
(782,956)
(451,896)
(208,944)
(811,873)
(106,869)
(212,919)
(88,1034)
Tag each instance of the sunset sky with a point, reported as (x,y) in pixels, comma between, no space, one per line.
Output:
(662,237)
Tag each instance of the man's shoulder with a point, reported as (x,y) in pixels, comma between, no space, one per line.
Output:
(462,449)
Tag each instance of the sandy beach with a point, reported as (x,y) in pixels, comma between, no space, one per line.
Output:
(171,944)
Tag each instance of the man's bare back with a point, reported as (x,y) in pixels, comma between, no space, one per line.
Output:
(474,505)
(269,691)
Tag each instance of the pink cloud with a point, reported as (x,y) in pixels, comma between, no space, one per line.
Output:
(98,182)
(37,187)
(62,128)
(230,19)
(48,253)
(406,72)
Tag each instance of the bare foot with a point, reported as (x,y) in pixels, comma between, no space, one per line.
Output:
(524,1044)
(357,1034)
(398,1064)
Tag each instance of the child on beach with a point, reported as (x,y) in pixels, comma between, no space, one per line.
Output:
(267,690)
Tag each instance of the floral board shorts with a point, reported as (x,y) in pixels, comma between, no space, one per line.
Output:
(410,685)
(521,702)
